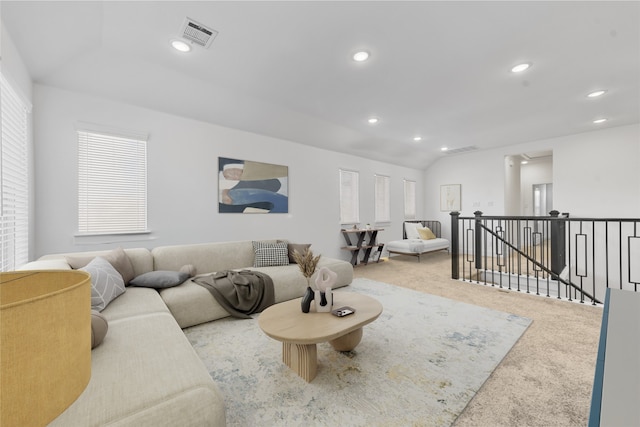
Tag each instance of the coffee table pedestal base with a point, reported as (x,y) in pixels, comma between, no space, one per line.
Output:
(302,358)
(347,342)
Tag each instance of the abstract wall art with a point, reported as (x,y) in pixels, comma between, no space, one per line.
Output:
(245,186)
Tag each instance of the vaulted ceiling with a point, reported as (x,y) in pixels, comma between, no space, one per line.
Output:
(438,70)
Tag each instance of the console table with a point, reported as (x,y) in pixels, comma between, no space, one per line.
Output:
(362,239)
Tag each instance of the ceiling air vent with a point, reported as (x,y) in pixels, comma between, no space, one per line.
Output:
(197,33)
(461,150)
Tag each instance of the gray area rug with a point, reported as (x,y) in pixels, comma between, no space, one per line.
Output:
(418,364)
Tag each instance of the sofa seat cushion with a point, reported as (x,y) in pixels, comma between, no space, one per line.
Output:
(146,373)
(135,302)
(192,304)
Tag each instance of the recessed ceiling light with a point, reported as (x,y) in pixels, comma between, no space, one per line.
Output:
(598,121)
(361,56)
(596,94)
(373,120)
(521,67)
(180,45)
(444,149)
(524,162)
(417,138)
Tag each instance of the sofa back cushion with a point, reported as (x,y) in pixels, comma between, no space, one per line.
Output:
(205,257)
(140,258)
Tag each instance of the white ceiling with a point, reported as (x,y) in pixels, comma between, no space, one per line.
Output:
(284,69)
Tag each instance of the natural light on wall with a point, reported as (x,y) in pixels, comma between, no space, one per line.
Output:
(382,204)
(409,199)
(112,183)
(14,179)
(349,199)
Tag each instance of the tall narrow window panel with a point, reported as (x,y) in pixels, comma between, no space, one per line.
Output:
(409,199)
(112,184)
(382,202)
(349,199)
(14,179)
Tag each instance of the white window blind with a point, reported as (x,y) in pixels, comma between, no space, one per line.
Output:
(349,199)
(409,199)
(382,202)
(14,179)
(112,183)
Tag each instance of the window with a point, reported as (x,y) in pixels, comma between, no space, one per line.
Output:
(349,200)
(112,183)
(382,209)
(409,199)
(14,179)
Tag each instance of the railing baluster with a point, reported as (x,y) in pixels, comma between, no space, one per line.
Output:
(550,247)
(593,259)
(620,234)
(635,279)
(606,253)
(455,220)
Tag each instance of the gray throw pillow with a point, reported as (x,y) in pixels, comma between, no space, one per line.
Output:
(106,283)
(270,254)
(99,327)
(292,247)
(160,279)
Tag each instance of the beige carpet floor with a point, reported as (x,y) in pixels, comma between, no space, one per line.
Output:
(547,377)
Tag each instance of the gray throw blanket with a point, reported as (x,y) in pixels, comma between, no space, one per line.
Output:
(240,292)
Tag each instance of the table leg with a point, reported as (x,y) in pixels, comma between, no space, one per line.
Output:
(347,342)
(302,358)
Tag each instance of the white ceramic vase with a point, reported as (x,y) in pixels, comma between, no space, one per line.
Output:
(319,300)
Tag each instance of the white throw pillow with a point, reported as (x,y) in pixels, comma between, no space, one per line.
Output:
(411,229)
(106,283)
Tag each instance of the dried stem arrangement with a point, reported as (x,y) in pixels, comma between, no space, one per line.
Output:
(307,262)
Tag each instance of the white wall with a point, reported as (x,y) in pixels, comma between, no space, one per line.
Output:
(182,180)
(534,172)
(512,184)
(15,71)
(595,174)
(13,67)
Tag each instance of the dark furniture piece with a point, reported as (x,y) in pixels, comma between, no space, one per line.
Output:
(364,240)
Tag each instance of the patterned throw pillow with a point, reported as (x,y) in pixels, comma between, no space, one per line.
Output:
(270,254)
(106,283)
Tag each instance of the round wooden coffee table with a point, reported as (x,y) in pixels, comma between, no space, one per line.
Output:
(300,332)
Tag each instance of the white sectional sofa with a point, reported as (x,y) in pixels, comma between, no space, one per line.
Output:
(145,372)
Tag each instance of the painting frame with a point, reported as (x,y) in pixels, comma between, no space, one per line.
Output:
(450,198)
(250,187)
